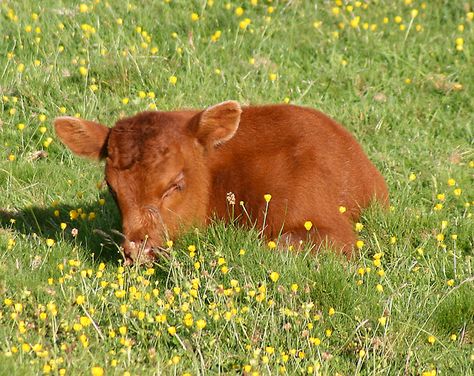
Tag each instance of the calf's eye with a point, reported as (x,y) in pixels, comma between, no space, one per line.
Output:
(176,185)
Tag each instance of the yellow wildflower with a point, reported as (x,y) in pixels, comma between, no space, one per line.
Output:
(274,276)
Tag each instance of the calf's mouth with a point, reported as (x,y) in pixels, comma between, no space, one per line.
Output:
(143,253)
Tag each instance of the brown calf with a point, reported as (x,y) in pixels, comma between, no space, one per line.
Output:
(169,171)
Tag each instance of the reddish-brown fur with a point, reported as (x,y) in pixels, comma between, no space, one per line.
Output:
(172,170)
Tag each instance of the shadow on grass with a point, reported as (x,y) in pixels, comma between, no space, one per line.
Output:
(97,233)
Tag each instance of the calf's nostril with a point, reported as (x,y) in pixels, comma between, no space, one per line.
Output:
(139,251)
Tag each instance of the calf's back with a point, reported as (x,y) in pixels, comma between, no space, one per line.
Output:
(312,167)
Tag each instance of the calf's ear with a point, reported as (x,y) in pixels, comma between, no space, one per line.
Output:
(84,138)
(217,124)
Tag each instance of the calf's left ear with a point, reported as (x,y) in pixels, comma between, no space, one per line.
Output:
(217,124)
(84,138)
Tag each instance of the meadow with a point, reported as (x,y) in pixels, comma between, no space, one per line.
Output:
(398,74)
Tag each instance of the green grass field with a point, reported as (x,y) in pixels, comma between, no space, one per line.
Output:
(398,74)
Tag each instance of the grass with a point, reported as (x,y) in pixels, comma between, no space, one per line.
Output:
(225,303)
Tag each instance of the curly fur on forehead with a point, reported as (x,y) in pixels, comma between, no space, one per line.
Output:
(138,129)
(133,138)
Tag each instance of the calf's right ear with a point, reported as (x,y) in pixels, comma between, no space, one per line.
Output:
(217,124)
(84,138)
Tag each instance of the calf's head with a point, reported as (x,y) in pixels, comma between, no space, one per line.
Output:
(155,167)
